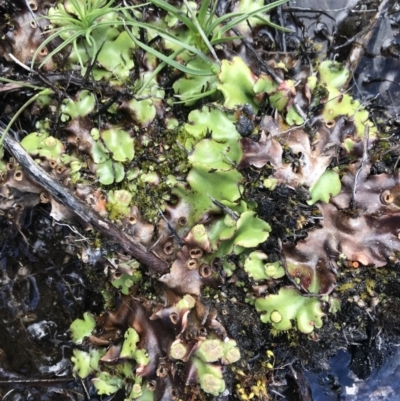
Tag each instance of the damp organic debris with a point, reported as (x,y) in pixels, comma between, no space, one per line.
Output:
(226,199)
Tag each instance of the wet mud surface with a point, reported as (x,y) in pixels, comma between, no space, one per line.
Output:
(43,289)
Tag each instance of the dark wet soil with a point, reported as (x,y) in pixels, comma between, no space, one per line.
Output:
(42,290)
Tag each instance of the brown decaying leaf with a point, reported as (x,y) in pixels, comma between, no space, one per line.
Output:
(365,228)
(187,275)
(360,224)
(314,155)
(25,37)
(158,326)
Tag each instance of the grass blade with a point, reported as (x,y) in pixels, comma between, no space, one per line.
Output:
(169,60)
(238,17)
(157,70)
(167,36)
(246,16)
(18,113)
(203,12)
(176,13)
(202,34)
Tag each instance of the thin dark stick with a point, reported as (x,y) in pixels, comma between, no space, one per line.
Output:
(81,209)
(38,382)
(364,159)
(358,50)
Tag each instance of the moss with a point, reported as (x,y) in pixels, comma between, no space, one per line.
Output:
(159,154)
(345,287)
(370,285)
(149,199)
(118,204)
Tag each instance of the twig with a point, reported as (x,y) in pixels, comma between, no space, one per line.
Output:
(40,382)
(358,50)
(318,10)
(266,67)
(171,229)
(360,168)
(224,208)
(41,76)
(87,214)
(395,165)
(277,393)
